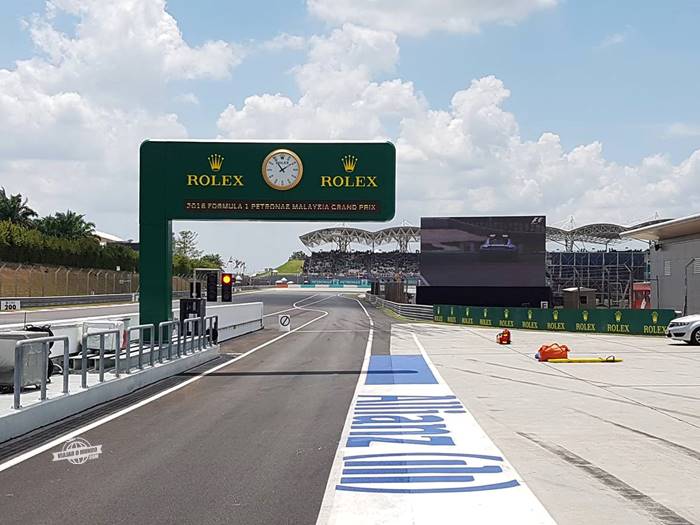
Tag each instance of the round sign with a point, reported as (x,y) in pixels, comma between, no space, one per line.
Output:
(285,320)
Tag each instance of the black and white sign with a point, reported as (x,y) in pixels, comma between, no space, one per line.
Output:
(284,321)
(9,306)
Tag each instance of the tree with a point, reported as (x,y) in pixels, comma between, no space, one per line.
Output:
(298,255)
(15,210)
(69,225)
(185,245)
(210,260)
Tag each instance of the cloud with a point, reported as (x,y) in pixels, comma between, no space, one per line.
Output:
(340,98)
(187,98)
(284,41)
(79,109)
(614,39)
(468,158)
(418,17)
(611,40)
(682,130)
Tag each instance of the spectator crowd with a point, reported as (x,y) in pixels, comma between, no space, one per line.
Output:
(361,264)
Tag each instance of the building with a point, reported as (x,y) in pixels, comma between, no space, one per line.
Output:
(674,261)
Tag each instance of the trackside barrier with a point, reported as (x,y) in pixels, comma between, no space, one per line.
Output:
(142,328)
(196,334)
(101,363)
(19,364)
(170,325)
(409,311)
(210,327)
(200,340)
(594,320)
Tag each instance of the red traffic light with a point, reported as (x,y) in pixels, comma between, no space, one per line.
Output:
(226,278)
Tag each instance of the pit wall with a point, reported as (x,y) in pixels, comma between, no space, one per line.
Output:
(608,321)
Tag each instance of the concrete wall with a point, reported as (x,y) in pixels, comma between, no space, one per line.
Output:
(668,291)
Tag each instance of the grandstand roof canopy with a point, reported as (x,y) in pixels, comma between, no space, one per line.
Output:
(342,237)
(658,231)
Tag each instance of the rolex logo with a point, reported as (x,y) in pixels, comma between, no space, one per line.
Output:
(585,315)
(618,316)
(506,313)
(215,161)
(486,312)
(654,317)
(349,163)
(467,312)
(555,314)
(529,315)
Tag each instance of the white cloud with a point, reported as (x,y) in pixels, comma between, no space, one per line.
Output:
(612,40)
(187,98)
(79,109)
(284,41)
(468,158)
(418,17)
(340,98)
(683,130)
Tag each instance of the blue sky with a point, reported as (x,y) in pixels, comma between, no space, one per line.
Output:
(622,74)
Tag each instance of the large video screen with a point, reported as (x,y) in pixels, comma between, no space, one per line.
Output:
(483,251)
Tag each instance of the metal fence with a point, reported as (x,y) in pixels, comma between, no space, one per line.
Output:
(409,311)
(32,280)
(117,360)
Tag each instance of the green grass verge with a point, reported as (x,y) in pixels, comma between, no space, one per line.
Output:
(291,266)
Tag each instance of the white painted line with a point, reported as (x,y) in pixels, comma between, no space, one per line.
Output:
(295,306)
(74,433)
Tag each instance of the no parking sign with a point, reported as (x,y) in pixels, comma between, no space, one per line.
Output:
(284,322)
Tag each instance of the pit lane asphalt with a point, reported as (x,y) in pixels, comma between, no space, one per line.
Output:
(252,442)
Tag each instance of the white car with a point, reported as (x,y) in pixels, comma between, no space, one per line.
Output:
(685,329)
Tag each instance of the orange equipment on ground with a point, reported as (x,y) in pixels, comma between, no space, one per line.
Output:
(553,351)
(503,338)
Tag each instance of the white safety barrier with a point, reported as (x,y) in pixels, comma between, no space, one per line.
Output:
(234,320)
(410,311)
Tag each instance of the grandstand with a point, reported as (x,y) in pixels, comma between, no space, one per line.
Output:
(611,273)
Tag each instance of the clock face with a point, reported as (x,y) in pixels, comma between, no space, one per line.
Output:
(282,169)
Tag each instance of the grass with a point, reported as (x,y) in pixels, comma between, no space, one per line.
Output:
(291,266)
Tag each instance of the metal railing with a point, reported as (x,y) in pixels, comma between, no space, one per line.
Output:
(200,338)
(101,363)
(409,311)
(141,329)
(172,325)
(19,365)
(212,328)
(196,334)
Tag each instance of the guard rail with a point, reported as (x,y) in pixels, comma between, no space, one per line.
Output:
(409,311)
(69,300)
(199,340)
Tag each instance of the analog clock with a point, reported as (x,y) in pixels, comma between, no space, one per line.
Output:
(282,169)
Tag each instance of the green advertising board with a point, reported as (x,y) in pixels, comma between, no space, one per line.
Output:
(610,321)
(269,181)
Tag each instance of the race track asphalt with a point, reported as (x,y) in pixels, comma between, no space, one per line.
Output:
(251,443)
